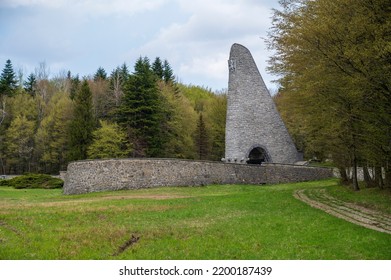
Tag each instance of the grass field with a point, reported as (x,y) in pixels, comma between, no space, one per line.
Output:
(212,222)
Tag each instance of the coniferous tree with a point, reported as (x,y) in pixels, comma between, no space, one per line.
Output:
(82,124)
(100,74)
(124,71)
(158,68)
(141,111)
(75,85)
(168,73)
(31,84)
(8,81)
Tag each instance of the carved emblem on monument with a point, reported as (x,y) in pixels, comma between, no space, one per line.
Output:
(232,65)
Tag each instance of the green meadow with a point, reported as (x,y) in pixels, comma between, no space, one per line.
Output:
(211,222)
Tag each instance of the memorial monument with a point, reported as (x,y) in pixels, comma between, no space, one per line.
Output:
(255,132)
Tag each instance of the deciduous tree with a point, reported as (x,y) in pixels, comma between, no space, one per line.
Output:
(335,65)
(109,141)
(51,139)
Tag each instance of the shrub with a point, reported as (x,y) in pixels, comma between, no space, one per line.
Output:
(35,181)
(4,183)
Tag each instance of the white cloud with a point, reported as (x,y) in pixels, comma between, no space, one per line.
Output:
(81,35)
(199,47)
(33,3)
(90,7)
(213,66)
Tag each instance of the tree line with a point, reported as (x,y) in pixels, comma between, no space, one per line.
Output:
(334,60)
(47,122)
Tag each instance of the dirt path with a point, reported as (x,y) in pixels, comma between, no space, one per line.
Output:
(350,212)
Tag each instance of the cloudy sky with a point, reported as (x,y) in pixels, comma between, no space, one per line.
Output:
(81,35)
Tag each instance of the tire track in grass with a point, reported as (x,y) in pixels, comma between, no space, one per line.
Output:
(350,212)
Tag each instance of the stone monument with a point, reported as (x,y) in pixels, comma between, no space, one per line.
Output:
(255,132)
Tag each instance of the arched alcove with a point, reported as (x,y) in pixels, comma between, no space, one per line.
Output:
(258,155)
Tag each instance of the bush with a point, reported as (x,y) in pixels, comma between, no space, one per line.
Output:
(4,183)
(34,181)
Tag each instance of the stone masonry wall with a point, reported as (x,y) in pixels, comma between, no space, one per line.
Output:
(252,118)
(122,174)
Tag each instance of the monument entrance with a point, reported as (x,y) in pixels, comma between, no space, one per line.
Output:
(258,155)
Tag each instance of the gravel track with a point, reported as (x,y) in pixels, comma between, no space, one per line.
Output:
(350,212)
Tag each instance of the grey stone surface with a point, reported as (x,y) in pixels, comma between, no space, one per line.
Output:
(120,174)
(252,118)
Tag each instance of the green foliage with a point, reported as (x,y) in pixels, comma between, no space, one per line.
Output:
(168,73)
(4,183)
(8,81)
(335,69)
(51,137)
(31,84)
(24,105)
(19,142)
(34,181)
(82,124)
(100,74)
(74,85)
(109,141)
(215,114)
(181,124)
(202,139)
(51,121)
(142,113)
(157,68)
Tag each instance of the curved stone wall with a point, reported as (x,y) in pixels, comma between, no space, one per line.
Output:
(121,174)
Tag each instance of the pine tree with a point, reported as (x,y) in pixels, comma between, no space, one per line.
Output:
(75,85)
(31,84)
(100,74)
(82,124)
(8,81)
(168,73)
(141,111)
(158,68)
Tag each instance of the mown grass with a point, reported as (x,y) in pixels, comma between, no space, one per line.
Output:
(212,222)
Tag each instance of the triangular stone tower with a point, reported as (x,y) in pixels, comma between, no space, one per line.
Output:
(255,132)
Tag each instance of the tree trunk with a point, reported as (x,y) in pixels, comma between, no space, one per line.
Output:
(344,176)
(379,177)
(367,177)
(354,175)
(387,181)
(2,166)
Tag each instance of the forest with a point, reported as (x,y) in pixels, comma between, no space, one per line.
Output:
(333,60)
(47,122)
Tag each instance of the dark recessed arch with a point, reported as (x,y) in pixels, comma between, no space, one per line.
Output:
(257,155)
